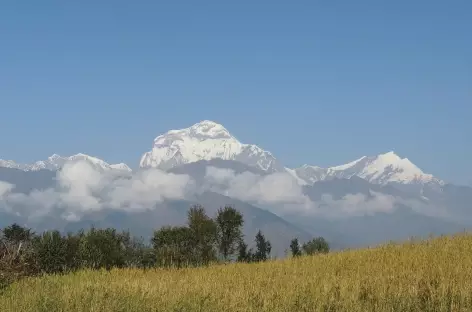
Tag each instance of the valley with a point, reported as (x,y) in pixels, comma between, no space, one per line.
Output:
(362,203)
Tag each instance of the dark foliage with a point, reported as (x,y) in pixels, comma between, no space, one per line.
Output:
(51,252)
(203,236)
(244,255)
(295,248)
(24,253)
(173,246)
(316,246)
(229,224)
(263,248)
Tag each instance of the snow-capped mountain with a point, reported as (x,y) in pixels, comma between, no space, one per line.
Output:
(205,140)
(56,162)
(208,140)
(381,169)
(10,164)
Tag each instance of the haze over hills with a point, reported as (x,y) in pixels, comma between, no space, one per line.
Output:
(367,201)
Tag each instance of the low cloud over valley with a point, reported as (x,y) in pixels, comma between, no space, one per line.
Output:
(80,188)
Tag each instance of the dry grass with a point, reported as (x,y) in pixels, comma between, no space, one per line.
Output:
(433,275)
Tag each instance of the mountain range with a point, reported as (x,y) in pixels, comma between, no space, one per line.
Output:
(366,201)
(56,162)
(208,140)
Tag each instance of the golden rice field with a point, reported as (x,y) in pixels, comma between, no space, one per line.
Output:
(432,275)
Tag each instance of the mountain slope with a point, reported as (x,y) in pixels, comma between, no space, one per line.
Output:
(56,162)
(332,218)
(209,140)
(381,169)
(205,140)
(372,229)
(27,181)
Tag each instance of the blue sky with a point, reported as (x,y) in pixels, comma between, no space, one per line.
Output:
(314,82)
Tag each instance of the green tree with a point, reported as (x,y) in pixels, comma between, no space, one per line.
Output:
(50,250)
(16,257)
(173,246)
(148,258)
(136,253)
(101,248)
(263,247)
(315,246)
(73,244)
(229,223)
(295,247)
(17,234)
(244,255)
(203,235)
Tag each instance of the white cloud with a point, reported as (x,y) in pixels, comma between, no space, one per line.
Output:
(358,204)
(147,188)
(269,189)
(81,188)
(281,194)
(5,188)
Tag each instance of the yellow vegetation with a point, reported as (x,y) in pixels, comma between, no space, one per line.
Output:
(432,275)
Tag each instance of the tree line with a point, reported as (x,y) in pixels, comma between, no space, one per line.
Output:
(201,241)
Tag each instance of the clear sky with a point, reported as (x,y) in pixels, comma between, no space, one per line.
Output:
(318,82)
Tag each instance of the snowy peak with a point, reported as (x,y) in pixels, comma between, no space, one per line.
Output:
(348,165)
(9,164)
(205,129)
(55,162)
(209,129)
(205,140)
(380,169)
(208,140)
(389,167)
(310,174)
(98,163)
(121,166)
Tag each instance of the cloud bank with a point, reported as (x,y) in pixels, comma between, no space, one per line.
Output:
(81,188)
(280,193)
(247,186)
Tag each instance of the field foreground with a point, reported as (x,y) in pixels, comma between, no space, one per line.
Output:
(432,275)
